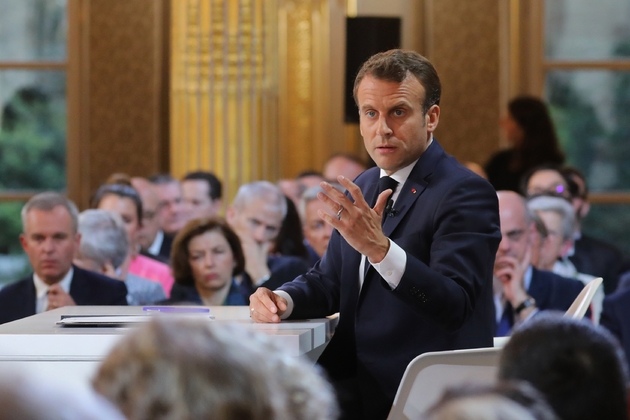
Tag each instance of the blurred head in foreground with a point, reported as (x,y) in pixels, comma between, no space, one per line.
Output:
(187,369)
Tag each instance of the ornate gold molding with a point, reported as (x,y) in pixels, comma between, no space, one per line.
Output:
(223,91)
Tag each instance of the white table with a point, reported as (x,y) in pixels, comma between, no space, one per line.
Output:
(36,344)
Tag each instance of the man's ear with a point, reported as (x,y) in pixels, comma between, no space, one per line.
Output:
(566,247)
(230,215)
(23,242)
(432,118)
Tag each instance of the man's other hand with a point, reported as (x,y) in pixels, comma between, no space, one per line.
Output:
(265,306)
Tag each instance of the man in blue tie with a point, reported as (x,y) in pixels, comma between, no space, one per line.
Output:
(409,265)
(521,289)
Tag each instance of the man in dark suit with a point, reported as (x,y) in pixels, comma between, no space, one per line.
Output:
(50,240)
(616,317)
(520,289)
(154,243)
(256,215)
(421,281)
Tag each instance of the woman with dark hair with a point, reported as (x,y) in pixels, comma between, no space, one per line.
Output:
(123,199)
(531,134)
(205,258)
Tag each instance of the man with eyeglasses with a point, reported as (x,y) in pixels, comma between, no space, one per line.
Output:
(153,242)
(520,289)
(256,215)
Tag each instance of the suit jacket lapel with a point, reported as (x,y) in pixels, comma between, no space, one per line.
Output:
(415,185)
(538,289)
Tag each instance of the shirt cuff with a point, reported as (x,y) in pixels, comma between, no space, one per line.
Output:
(393,265)
(287,297)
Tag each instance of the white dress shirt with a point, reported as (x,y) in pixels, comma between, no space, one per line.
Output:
(154,249)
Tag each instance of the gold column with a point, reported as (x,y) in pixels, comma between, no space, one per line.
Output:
(224,89)
(257,87)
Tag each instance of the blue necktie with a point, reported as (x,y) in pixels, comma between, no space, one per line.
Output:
(504,327)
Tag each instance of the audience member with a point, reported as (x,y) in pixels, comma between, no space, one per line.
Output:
(486,402)
(206,258)
(344,164)
(37,398)
(290,239)
(520,289)
(292,189)
(616,317)
(539,239)
(545,180)
(104,249)
(125,200)
(533,142)
(179,369)
(316,230)
(558,216)
(153,242)
(174,211)
(50,239)
(309,179)
(202,191)
(591,255)
(578,367)
(256,215)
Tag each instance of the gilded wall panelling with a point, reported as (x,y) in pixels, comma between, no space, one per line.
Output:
(463,44)
(224,89)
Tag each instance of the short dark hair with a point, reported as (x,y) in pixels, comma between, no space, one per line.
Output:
(179,253)
(396,66)
(570,173)
(578,367)
(215,189)
(524,181)
(121,190)
(161,179)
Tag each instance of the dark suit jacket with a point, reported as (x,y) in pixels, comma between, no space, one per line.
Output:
(17,300)
(553,292)
(616,317)
(165,249)
(283,269)
(598,258)
(448,224)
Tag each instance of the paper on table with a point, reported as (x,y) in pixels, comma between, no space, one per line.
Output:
(122,320)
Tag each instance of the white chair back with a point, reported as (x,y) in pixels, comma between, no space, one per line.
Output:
(429,374)
(581,303)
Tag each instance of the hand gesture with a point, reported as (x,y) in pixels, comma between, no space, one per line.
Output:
(256,254)
(357,222)
(511,272)
(265,306)
(57,298)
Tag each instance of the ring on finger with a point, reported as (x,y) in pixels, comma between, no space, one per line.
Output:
(339,213)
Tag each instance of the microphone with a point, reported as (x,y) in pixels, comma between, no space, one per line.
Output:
(389,209)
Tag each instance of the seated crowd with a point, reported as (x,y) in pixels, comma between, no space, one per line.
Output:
(161,240)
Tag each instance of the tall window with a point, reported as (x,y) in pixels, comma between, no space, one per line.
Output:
(33,63)
(586,65)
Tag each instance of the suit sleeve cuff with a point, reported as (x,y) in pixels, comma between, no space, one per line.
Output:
(287,297)
(393,265)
